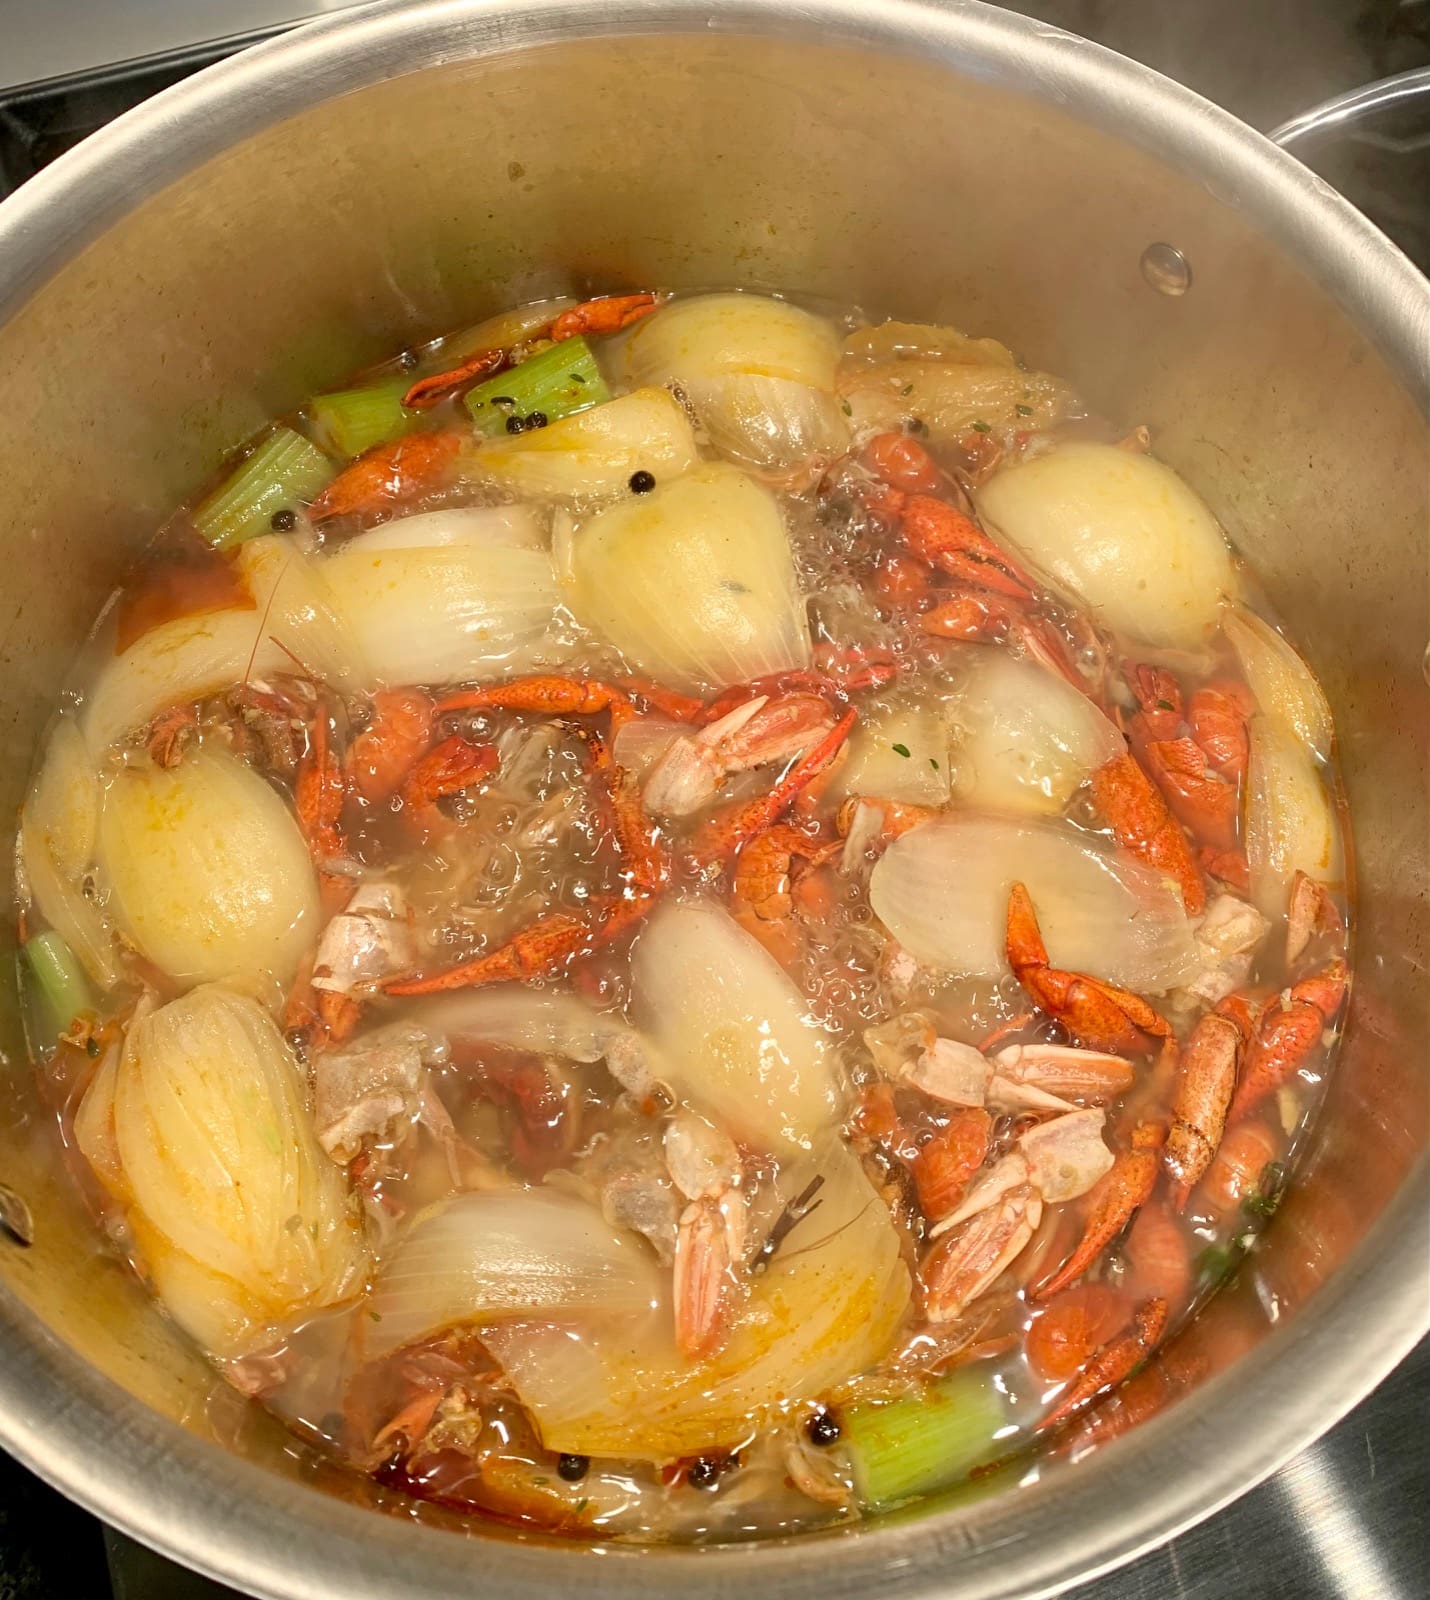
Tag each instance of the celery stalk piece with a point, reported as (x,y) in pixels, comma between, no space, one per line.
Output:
(357,419)
(562,379)
(283,474)
(907,1447)
(63,988)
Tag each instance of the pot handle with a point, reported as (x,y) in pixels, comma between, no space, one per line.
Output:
(1343,109)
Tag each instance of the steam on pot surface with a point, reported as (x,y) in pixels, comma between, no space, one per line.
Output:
(682,916)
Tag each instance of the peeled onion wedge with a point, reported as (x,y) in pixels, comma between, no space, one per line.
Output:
(446,597)
(291,625)
(591,455)
(202,1131)
(759,372)
(899,752)
(208,872)
(732,1031)
(829,1303)
(58,829)
(694,582)
(64,803)
(1284,687)
(511,1253)
(713,335)
(1122,534)
(1024,738)
(942,891)
(1290,826)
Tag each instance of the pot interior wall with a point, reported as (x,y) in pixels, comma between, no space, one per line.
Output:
(394,212)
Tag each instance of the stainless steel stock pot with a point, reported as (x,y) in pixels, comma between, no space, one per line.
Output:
(257,232)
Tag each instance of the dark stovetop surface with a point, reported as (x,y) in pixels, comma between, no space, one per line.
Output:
(1346,1519)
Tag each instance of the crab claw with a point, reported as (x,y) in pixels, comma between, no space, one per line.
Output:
(609,314)
(547,946)
(755,734)
(390,475)
(320,792)
(448,385)
(946,538)
(1141,822)
(1062,1070)
(943,1166)
(1159,702)
(1100,1015)
(447,769)
(1114,1201)
(968,615)
(710,1239)
(1206,1079)
(982,1239)
(1218,713)
(1201,798)
(719,838)
(550,694)
(1113,1362)
(1290,1028)
(398,735)
(1311,910)
(903,463)
(554,941)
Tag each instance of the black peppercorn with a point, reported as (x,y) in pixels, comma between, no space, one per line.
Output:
(703,1473)
(822,1428)
(642,482)
(572,1468)
(515,424)
(283,521)
(536,419)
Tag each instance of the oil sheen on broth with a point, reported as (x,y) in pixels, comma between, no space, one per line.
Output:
(684,918)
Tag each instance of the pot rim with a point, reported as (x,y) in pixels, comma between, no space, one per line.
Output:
(217,1513)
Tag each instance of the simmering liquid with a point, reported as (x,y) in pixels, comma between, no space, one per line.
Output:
(683,918)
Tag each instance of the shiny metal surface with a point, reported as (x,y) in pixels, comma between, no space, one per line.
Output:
(1341,1521)
(260,230)
(1340,110)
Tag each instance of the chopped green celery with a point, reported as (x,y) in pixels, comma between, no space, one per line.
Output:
(357,419)
(64,990)
(559,381)
(283,474)
(908,1447)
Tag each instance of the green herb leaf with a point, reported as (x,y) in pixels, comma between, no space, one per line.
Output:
(1217,1264)
(375,1315)
(846,408)
(908,388)
(1266,1196)
(933,763)
(981,427)
(1024,411)
(901,750)
(1165,705)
